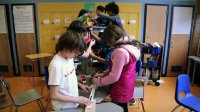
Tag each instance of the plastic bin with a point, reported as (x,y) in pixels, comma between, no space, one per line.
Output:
(152,63)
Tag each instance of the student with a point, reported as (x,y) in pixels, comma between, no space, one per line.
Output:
(113,11)
(79,27)
(84,16)
(122,68)
(104,58)
(100,9)
(62,77)
(101,21)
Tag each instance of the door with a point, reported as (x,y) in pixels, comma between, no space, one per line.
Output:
(156,19)
(179,40)
(5,55)
(25,37)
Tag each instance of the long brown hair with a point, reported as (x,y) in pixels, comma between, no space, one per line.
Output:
(112,33)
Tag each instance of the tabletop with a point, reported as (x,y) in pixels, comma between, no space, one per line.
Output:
(195,58)
(39,55)
(103,107)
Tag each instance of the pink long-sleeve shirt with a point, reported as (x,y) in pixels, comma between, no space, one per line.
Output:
(122,73)
(119,58)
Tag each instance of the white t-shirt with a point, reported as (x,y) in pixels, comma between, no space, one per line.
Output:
(62,73)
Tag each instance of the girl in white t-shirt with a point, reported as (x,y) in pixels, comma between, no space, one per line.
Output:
(62,77)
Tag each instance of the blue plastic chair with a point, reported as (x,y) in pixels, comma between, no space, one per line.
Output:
(138,66)
(188,100)
(46,76)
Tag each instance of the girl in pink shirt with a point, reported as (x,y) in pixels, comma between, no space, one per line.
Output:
(122,70)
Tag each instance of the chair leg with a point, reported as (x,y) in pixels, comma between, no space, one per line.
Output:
(48,101)
(175,108)
(183,109)
(16,110)
(138,103)
(48,97)
(40,105)
(47,104)
(11,108)
(142,102)
(42,88)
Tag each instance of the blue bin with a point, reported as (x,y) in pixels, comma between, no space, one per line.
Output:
(156,50)
(152,63)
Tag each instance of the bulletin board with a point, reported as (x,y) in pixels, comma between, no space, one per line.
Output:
(54,17)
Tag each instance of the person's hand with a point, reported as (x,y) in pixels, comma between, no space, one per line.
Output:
(92,42)
(94,80)
(85,88)
(90,14)
(97,75)
(83,100)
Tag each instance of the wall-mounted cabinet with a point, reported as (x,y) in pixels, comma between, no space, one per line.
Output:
(55,17)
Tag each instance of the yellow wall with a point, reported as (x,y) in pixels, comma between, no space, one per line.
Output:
(59,13)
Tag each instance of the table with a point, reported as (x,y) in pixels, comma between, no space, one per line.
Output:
(100,93)
(33,57)
(98,28)
(39,55)
(103,107)
(196,60)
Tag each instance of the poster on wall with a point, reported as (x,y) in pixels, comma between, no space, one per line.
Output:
(3,28)
(89,6)
(23,18)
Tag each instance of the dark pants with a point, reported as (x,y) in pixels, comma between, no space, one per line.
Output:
(123,105)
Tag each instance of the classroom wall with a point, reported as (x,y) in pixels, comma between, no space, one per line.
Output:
(65,13)
(195,41)
(141,33)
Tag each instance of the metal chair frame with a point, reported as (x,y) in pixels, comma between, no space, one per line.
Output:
(15,99)
(139,85)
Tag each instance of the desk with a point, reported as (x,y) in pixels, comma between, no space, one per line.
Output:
(196,60)
(98,28)
(103,107)
(33,57)
(40,55)
(100,93)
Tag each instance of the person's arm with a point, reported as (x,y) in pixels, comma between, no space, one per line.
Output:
(84,87)
(55,95)
(110,18)
(54,82)
(83,17)
(89,49)
(102,74)
(98,58)
(95,37)
(119,60)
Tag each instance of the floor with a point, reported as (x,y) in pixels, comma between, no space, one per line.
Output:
(157,98)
